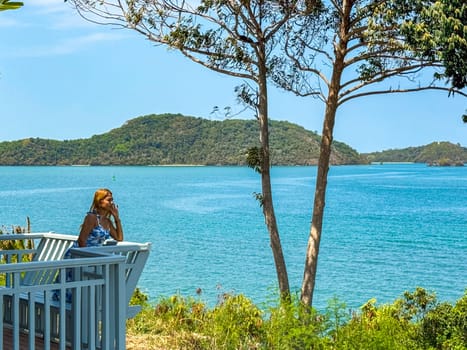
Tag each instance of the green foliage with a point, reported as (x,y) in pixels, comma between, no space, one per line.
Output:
(139,298)
(445,326)
(173,316)
(337,316)
(440,33)
(414,321)
(175,139)
(430,31)
(295,326)
(235,323)
(180,312)
(376,328)
(392,326)
(17,244)
(259,197)
(10,5)
(174,321)
(254,159)
(415,305)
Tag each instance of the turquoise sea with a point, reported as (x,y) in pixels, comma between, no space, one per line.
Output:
(388,228)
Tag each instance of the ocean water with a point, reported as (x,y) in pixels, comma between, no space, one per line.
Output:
(388,228)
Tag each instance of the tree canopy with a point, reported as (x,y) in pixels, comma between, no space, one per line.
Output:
(441,33)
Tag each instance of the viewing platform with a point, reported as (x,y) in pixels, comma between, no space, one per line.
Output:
(49,302)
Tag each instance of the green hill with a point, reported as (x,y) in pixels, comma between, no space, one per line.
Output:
(436,153)
(176,139)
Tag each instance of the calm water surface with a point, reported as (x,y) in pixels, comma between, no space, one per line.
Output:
(387,229)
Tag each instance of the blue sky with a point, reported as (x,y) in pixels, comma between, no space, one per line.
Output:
(64,78)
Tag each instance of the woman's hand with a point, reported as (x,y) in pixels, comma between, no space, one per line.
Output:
(117,231)
(114,211)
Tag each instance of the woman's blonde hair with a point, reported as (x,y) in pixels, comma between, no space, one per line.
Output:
(99,195)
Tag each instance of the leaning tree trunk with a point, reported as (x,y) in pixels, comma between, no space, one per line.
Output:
(311,260)
(267,202)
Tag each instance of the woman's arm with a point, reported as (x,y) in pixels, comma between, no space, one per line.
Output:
(90,221)
(116,229)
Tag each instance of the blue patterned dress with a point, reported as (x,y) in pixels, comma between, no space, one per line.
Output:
(96,238)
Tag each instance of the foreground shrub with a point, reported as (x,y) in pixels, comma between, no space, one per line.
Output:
(139,298)
(294,326)
(445,326)
(235,323)
(173,323)
(414,321)
(377,328)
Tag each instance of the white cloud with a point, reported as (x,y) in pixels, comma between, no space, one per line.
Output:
(50,28)
(66,47)
(39,11)
(59,14)
(91,39)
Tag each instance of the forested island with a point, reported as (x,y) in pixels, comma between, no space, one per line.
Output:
(175,139)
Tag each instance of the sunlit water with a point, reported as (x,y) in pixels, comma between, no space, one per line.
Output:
(387,228)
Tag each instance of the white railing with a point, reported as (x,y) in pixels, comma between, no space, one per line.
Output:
(100,282)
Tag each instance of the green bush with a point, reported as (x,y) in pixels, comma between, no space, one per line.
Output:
(376,328)
(180,313)
(173,323)
(293,326)
(414,321)
(17,244)
(414,306)
(235,323)
(445,326)
(139,298)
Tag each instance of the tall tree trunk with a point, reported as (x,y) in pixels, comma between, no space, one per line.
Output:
(267,201)
(311,260)
(314,239)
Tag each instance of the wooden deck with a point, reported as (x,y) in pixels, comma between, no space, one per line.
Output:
(24,341)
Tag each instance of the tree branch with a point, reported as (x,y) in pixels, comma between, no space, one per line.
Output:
(394,91)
